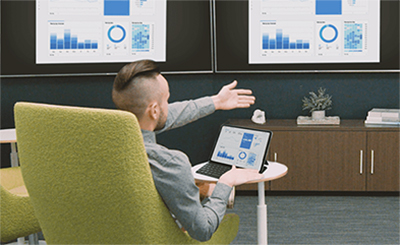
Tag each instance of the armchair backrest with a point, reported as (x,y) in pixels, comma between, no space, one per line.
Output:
(88,177)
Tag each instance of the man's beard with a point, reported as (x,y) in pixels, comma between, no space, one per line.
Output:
(161,121)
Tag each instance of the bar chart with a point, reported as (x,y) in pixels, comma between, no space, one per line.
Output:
(72,38)
(225,155)
(286,37)
(279,40)
(71,41)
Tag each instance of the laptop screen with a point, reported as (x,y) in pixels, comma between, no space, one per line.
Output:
(245,148)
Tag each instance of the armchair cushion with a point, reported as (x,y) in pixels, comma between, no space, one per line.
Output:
(17,215)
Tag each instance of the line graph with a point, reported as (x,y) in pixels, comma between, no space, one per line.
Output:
(286,7)
(75,7)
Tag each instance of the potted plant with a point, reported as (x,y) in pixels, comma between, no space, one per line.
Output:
(318,104)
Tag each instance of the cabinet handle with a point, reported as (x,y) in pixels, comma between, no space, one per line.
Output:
(275,157)
(361,161)
(372,161)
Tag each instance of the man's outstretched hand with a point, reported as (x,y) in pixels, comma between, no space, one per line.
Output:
(230,98)
(237,176)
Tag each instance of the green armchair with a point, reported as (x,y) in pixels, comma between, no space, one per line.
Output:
(89,180)
(17,216)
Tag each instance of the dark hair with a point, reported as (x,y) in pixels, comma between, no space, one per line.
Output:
(137,69)
(135,85)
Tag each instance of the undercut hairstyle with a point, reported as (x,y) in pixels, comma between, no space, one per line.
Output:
(135,86)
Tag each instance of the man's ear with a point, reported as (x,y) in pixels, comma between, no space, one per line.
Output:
(154,110)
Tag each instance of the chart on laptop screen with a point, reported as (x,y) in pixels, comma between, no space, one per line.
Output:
(241,147)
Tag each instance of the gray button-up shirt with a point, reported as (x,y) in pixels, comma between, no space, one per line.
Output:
(173,178)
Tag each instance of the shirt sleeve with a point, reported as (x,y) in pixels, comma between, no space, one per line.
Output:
(175,183)
(184,112)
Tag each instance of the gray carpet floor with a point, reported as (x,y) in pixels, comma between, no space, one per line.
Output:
(321,220)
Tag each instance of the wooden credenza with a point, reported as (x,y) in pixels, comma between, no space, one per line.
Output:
(346,157)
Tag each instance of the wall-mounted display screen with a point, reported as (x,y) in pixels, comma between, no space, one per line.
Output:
(93,31)
(88,37)
(306,35)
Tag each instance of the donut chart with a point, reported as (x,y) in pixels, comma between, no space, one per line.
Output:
(116,33)
(328,33)
(242,155)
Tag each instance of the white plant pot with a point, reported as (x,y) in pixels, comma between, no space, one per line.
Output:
(318,115)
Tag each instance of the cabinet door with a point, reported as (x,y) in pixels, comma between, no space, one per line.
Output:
(298,150)
(341,161)
(383,161)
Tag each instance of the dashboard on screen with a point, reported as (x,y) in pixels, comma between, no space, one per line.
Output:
(309,31)
(92,31)
(307,35)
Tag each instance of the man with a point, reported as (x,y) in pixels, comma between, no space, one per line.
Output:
(141,89)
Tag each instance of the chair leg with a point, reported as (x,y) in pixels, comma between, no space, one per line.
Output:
(33,239)
(21,240)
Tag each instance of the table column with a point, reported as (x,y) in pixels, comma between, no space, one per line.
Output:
(14,155)
(262,229)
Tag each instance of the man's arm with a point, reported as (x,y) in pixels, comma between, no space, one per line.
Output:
(174,181)
(228,98)
(184,112)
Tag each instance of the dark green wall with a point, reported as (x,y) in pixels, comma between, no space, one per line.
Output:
(279,95)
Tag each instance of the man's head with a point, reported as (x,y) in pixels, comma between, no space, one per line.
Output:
(141,89)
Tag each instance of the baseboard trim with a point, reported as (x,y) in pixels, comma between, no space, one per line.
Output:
(318,193)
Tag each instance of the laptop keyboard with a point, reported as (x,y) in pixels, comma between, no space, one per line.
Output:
(213,170)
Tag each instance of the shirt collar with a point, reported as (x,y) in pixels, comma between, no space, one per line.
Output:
(149,136)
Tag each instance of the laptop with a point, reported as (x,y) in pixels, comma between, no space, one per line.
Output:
(239,146)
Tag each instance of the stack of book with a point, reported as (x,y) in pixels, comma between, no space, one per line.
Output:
(383,116)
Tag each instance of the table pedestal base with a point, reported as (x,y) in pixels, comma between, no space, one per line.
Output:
(14,155)
(262,229)
(275,171)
